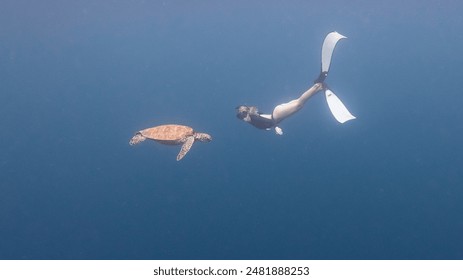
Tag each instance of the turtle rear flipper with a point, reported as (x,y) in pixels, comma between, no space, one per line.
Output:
(185,147)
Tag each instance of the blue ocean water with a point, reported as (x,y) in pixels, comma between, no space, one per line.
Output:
(78,78)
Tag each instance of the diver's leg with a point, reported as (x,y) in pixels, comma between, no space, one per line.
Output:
(285,110)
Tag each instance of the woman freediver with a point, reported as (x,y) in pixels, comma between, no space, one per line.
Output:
(251,114)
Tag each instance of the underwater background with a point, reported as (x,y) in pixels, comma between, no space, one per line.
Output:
(79,78)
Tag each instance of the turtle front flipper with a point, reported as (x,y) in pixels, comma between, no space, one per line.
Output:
(185,147)
(137,138)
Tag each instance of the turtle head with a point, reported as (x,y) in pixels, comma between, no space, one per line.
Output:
(137,139)
(203,137)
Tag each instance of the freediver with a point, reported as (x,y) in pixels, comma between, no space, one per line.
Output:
(251,114)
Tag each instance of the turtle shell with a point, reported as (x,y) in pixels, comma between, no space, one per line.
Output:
(169,132)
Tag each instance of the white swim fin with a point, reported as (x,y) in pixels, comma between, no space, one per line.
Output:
(337,108)
(328,47)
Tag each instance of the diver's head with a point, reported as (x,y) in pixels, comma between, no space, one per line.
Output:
(242,112)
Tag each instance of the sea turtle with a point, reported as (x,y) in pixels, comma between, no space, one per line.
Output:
(171,134)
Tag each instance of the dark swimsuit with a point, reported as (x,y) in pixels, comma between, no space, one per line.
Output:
(261,122)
